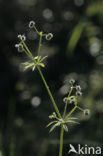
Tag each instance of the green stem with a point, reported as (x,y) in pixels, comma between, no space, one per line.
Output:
(66,104)
(70,112)
(36,30)
(41,74)
(70,91)
(61,141)
(49,92)
(40,43)
(80,108)
(65,108)
(29,53)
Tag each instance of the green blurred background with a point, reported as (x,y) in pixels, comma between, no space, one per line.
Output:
(76,51)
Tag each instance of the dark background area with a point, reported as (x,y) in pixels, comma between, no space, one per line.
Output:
(76,51)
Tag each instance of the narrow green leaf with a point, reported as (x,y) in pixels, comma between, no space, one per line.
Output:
(54,126)
(71,121)
(75,36)
(27,65)
(51,123)
(43,58)
(72,118)
(41,64)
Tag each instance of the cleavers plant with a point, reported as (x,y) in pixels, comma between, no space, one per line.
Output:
(58,119)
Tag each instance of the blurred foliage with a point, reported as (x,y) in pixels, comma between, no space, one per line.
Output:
(76,51)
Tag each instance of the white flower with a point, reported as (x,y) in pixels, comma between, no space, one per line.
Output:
(78,88)
(16,45)
(86,112)
(64,100)
(72,99)
(19,47)
(49,36)
(31,24)
(79,93)
(22,37)
(72,81)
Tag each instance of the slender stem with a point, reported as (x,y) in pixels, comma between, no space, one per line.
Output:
(39,43)
(41,74)
(71,112)
(36,30)
(61,141)
(65,108)
(27,49)
(66,104)
(70,91)
(80,108)
(27,54)
(49,92)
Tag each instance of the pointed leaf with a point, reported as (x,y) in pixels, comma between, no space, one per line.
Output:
(71,121)
(43,58)
(41,64)
(51,123)
(54,126)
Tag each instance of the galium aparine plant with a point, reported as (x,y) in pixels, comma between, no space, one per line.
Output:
(58,119)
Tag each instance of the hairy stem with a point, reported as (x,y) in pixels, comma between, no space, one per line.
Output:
(61,141)
(49,92)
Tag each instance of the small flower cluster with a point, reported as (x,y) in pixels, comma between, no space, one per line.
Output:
(48,36)
(22,47)
(72,99)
